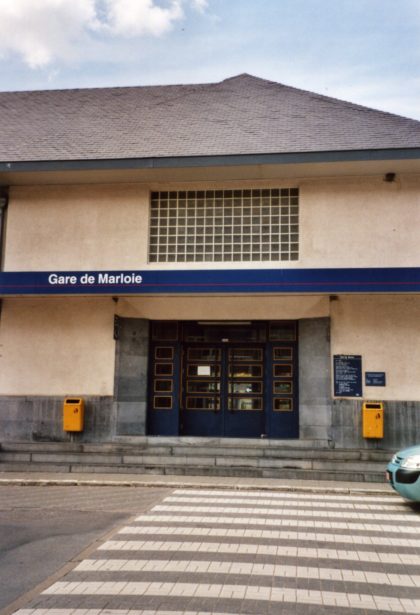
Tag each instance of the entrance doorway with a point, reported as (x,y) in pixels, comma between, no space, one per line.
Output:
(223,390)
(231,379)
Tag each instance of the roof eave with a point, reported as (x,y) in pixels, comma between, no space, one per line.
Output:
(211,161)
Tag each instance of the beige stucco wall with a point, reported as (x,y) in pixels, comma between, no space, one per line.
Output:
(77,227)
(223,308)
(66,347)
(57,347)
(353,222)
(385,330)
(360,223)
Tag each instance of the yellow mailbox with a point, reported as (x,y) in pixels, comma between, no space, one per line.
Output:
(373,419)
(73,414)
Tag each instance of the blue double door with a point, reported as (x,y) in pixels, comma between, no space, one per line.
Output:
(223,390)
(220,386)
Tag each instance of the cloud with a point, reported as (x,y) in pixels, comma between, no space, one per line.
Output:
(43,30)
(47,31)
(200,5)
(138,17)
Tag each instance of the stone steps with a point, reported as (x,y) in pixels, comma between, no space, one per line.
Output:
(195,457)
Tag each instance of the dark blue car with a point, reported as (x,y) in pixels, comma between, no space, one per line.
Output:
(404,473)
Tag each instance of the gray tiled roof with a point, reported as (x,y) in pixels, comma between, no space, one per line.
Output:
(241,115)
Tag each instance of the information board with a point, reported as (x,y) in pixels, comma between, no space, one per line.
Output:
(375,379)
(347,375)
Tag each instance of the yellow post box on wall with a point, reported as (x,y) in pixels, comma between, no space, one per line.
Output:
(373,419)
(73,414)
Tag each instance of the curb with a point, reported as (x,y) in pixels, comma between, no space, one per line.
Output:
(55,482)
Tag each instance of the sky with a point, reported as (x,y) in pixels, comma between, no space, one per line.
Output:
(364,51)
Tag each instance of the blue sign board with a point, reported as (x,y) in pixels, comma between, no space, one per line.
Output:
(347,375)
(149,281)
(375,379)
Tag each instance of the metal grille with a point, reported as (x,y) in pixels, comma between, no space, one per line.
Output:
(224,225)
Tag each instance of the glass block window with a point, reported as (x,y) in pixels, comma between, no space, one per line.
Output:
(224,225)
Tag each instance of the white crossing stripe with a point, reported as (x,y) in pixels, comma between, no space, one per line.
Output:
(258,549)
(332,525)
(292,495)
(226,510)
(276,534)
(248,568)
(241,592)
(264,501)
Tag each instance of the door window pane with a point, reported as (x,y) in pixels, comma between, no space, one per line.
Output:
(204,354)
(162,403)
(164,353)
(283,370)
(281,354)
(282,331)
(203,403)
(163,386)
(245,371)
(165,331)
(245,387)
(194,386)
(207,334)
(163,369)
(282,388)
(200,371)
(282,404)
(245,354)
(245,403)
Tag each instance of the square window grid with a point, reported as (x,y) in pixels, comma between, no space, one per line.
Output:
(224,225)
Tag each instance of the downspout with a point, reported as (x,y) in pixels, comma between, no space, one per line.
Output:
(3,210)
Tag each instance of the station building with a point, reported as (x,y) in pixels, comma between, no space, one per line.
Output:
(229,260)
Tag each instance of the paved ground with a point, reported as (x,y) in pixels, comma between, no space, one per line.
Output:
(44,528)
(250,552)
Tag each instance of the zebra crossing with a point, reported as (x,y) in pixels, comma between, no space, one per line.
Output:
(231,552)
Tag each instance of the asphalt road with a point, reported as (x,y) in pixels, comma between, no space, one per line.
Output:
(44,528)
(255,552)
(207,550)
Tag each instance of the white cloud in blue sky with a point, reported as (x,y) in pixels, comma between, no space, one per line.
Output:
(366,51)
(52,31)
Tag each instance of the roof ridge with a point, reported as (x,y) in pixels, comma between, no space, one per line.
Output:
(316,95)
(108,88)
(324,97)
(140,86)
(246,76)
(241,77)
(341,101)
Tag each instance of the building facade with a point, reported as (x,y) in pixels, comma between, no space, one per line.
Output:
(233,260)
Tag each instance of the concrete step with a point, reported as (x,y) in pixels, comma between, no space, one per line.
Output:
(196,448)
(183,458)
(215,441)
(80,447)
